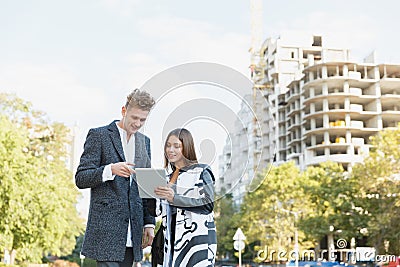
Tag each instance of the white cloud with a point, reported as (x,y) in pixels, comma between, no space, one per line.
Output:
(54,90)
(142,67)
(179,40)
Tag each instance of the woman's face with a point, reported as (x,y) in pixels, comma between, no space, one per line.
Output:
(173,151)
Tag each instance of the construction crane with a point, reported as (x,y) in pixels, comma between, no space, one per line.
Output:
(256,31)
(258,76)
(256,35)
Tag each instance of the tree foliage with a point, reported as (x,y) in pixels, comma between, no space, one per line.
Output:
(332,194)
(378,180)
(270,212)
(37,193)
(363,203)
(226,223)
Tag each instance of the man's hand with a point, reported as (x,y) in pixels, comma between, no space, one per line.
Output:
(148,236)
(123,169)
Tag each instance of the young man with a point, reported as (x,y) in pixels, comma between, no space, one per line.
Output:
(119,222)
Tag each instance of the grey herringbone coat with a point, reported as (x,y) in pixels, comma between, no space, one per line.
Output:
(112,203)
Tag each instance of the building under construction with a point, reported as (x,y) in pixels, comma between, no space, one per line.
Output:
(322,106)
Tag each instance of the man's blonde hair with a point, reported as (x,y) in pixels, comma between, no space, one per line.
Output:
(140,99)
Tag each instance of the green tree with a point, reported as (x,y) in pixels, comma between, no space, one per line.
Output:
(268,214)
(332,193)
(378,179)
(226,220)
(37,193)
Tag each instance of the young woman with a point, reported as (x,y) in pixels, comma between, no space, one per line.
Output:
(187,205)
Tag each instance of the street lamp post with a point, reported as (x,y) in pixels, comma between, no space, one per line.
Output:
(331,244)
(82,257)
(296,245)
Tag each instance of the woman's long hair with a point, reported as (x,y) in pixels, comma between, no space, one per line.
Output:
(188,150)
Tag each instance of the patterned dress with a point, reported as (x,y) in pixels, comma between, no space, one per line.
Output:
(189,220)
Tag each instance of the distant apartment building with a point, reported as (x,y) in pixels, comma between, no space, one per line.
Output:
(322,106)
(237,161)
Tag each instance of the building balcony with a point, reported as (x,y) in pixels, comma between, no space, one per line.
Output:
(392,126)
(391,115)
(340,97)
(362,83)
(356,147)
(331,83)
(294,141)
(353,82)
(340,158)
(387,82)
(318,81)
(341,111)
(340,151)
(282,149)
(294,126)
(293,111)
(281,107)
(390,100)
(282,133)
(389,71)
(292,156)
(339,144)
(341,130)
(318,113)
(293,96)
(280,122)
(364,115)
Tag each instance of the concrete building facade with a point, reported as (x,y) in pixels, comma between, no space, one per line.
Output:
(236,163)
(322,105)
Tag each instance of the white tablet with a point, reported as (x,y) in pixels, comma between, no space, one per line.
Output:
(148,179)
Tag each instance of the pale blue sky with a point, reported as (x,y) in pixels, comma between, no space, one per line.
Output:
(106,47)
(77,59)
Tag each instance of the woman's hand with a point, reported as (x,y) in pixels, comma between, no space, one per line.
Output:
(165,192)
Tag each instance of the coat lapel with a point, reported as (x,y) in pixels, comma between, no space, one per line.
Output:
(139,149)
(116,139)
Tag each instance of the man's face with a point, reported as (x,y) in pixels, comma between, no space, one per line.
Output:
(133,119)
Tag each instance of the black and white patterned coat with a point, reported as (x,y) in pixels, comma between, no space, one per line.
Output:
(195,232)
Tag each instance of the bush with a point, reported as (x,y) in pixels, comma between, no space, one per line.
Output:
(63,263)
(2,264)
(89,263)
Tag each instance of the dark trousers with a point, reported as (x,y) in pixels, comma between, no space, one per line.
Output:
(128,260)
